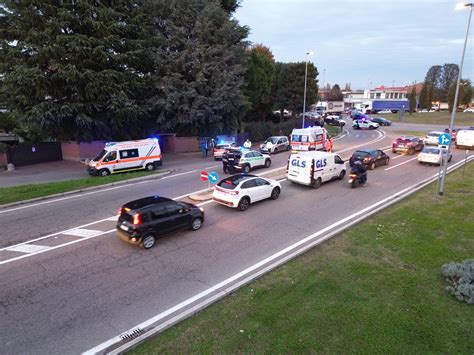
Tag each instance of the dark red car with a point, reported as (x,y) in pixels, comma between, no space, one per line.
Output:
(407,144)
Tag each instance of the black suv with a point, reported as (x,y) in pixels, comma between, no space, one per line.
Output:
(142,221)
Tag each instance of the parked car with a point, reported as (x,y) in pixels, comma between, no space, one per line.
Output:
(334,120)
(364,123)
(246,160)
(424,111)
(381,121)
(275,144)
(469,110)
(432,138)
(385,111)
(371,158)
(408,144)
(241,190)
(142,221)
(433,155)
(221,148)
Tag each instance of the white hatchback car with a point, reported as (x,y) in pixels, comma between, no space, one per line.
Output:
(363,123)
(433,155)
(432,138)
(239,191)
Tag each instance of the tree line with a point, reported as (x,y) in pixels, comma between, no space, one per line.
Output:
(440,86)
(85,70)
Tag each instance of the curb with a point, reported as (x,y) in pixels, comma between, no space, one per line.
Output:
(201,197)
(92,188)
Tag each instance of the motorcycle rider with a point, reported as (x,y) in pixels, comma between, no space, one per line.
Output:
(361,171)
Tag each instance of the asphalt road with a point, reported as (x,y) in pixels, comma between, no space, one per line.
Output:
(69,292)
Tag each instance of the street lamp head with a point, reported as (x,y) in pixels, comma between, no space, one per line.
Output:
(461,6)
(309,53)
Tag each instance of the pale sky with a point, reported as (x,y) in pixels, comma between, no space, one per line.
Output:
(362,41)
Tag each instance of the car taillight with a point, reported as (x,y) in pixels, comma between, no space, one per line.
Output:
(120,211)
(366,159)
(136,219)
(233,193)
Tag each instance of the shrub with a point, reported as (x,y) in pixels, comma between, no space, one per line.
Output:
(460,277)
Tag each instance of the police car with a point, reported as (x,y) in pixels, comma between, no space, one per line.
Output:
(244,160)
(239,191)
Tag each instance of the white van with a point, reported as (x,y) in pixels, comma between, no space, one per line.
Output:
(311,138)
(465,139)
(117,157)
(314,168)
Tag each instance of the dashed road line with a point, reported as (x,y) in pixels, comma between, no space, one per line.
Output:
(395,166)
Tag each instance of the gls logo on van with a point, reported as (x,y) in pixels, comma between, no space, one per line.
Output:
(321,163)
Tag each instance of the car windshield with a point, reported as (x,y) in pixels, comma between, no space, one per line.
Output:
(360,154)
(100,155)
(223,146)
(232,181)
(431,151)
(272,140)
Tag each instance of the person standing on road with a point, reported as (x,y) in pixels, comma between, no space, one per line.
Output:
(248,144)
(204,148)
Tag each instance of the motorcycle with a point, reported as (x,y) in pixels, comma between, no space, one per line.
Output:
(355,180)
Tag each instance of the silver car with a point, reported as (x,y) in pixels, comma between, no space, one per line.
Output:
(275,144)
(433,155)
(432,138)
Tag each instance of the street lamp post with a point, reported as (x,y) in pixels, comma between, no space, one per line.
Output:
(444,158)
(305,80)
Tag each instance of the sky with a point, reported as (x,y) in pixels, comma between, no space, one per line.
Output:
(366,43)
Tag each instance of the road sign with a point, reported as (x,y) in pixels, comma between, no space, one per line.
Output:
(213,177)
(204,175)
(444,139)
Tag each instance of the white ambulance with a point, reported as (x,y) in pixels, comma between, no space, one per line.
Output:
(117,157)
(314,168)
(465,139)
(311,138)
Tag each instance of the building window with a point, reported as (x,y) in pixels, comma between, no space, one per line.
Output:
(377,95)
(372,96)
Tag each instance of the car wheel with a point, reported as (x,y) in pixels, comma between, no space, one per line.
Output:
(196,224)
(148,241)
(244,204)
(411,151)
(150,167)
(267,163)
(104,172)
(288,147)
(372,166)
(371,127)
(316,184)
(341,175)
(387,161)
(246,168)
(394,151)
(275,193)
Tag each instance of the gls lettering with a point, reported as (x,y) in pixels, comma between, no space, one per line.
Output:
(321,163)
(299,164)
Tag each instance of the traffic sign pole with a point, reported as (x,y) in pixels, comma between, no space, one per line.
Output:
(444,140)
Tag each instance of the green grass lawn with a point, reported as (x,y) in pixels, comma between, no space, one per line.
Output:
(404,132)
(25,192)
(376,288)
(439,118)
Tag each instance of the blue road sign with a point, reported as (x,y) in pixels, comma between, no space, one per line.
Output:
(213,177)
(444,139)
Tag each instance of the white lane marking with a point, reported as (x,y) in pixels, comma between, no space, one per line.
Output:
(52,248)
(243,273)
(210,167)
(180,174)
(82,232)
(393,167)
(398,156)
(28,248)
(113,219)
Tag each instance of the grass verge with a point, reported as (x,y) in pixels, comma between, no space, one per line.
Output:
(404,132)
(377,288)
(26,192)
(439,118)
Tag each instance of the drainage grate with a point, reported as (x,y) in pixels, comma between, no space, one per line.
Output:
(131,335)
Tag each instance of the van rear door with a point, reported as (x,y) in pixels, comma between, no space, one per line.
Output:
(299,169)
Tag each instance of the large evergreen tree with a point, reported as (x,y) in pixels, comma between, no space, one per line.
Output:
(259,78)
(200,62)
(74,70)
